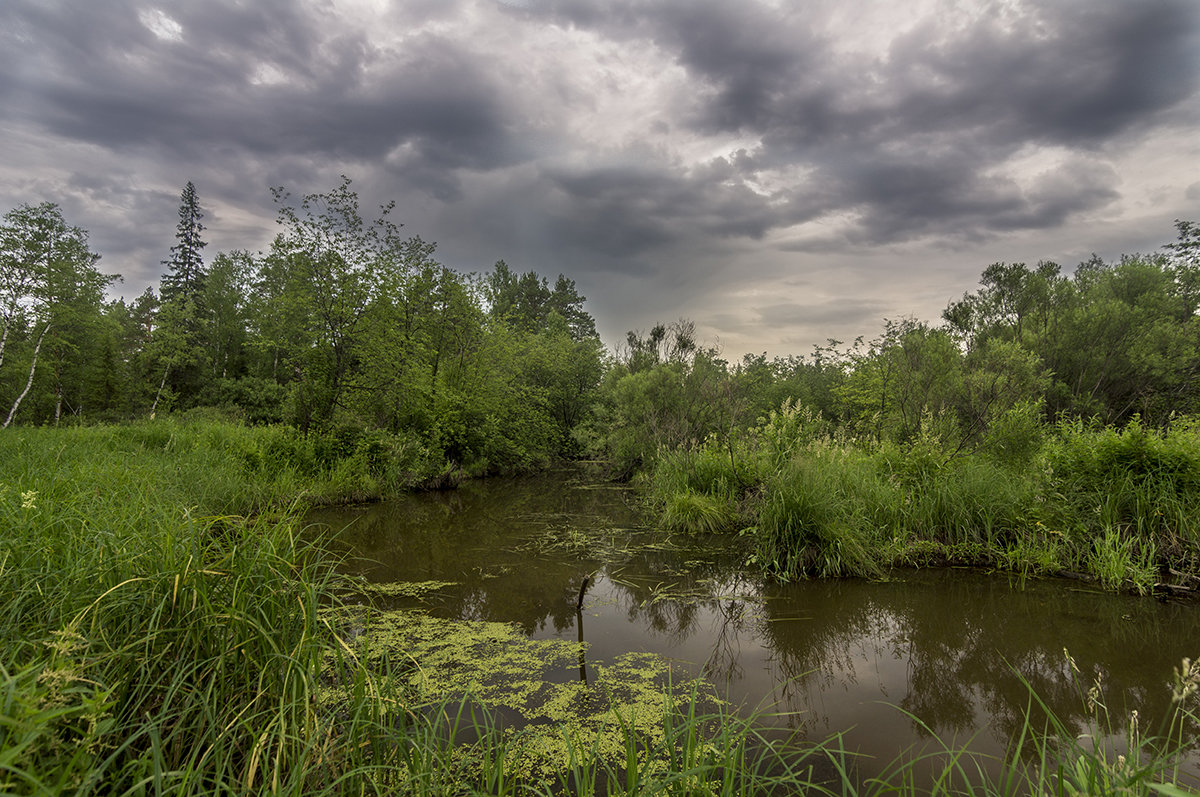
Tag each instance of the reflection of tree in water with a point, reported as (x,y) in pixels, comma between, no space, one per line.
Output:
(477,536)
(518,550)
(724,662)
(968,640)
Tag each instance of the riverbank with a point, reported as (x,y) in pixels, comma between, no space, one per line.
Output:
(1120,507)
(165,630)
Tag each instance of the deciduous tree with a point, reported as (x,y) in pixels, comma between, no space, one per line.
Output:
(48,280)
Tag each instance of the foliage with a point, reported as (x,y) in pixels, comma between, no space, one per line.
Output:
(185,275)
(1118,339)
(50,297)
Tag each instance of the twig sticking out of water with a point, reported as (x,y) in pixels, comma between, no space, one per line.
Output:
(582,591)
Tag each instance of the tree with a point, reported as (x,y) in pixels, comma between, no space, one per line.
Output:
(174,346)
(525,302)
(181,350)
(566,301)
(1186,248)
(320,281)
(1185,258)
(185,275)
(674,343)
(48,279)
(226,294)
(1117,340)
(22,245)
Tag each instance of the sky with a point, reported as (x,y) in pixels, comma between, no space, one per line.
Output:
(780,173)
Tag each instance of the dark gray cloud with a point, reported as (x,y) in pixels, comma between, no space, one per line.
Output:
(908,138)
(665,153)
(264,79)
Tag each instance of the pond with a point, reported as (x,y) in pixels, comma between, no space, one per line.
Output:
(892,664)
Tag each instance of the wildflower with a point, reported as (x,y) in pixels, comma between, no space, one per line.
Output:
(66,642)
(27,499)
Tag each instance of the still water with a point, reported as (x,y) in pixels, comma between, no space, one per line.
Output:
(948,651)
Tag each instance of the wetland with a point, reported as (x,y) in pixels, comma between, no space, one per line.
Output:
(901,664)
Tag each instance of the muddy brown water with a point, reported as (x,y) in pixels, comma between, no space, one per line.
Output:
(893,665)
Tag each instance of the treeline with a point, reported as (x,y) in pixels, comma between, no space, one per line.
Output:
(1111,342)
(343,327)
(346,328)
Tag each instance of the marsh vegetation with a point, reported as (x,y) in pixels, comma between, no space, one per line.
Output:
(172,623)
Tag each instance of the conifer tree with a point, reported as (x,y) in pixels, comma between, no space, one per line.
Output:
(178,341)
(185,278)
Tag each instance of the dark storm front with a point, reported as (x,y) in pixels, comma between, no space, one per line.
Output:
(891,664)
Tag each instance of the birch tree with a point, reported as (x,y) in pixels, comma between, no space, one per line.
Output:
(45,267)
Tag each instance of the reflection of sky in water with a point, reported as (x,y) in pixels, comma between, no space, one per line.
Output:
(836,656)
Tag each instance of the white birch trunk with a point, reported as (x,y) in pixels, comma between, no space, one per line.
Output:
(28,382)
(4,340)
(158,395)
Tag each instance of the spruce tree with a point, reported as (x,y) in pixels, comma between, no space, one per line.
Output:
(178,340)
(185,277)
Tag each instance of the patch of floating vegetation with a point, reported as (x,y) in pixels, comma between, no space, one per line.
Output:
(683,590)
(592,540)
(401,589)
(548,712)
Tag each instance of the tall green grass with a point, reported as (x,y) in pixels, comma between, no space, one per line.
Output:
(1115,504)
(151,639)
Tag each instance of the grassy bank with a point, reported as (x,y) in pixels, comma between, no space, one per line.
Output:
(166,629)
(1118,506)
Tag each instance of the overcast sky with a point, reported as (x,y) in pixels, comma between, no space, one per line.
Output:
(779,172)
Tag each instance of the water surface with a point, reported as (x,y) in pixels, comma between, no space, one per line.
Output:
(885,662)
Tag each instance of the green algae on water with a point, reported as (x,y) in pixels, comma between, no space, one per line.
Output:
(401,589)
(534,686)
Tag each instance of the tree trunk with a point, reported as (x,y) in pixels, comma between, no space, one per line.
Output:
(28,382)
(158,395)
(3,340)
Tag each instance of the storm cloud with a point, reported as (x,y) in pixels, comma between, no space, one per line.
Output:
(677,157)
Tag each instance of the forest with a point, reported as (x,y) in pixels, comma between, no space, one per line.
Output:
(167,626)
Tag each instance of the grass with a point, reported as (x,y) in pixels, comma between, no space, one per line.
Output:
(151,638)
(167,630)
(696,512)
(1116,505)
